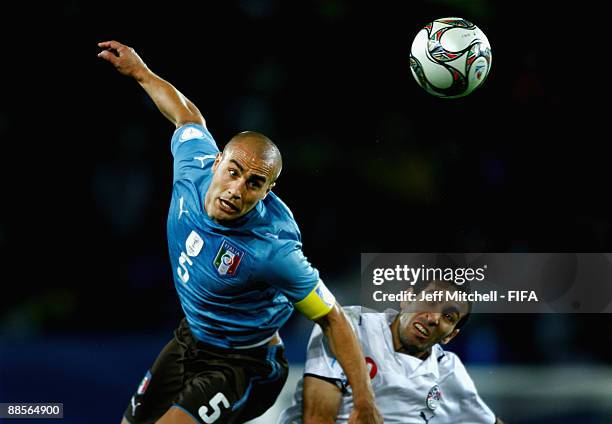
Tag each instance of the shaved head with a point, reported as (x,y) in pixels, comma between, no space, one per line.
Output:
(260,147)
(243,175)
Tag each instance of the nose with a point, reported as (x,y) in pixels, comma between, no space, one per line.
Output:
(236,188)
(433,318)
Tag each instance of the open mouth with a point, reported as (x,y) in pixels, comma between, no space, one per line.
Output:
(421,329)
(227,207)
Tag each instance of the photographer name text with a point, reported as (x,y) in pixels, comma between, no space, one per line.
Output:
(457,296)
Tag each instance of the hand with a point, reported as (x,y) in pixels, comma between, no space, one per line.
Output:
(124,58)
(366,413)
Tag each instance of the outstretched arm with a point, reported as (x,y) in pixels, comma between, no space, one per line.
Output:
(345,347)
(170,102)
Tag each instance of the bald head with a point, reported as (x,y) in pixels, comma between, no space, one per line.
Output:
(258,147)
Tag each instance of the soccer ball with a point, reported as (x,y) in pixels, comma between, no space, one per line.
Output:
(450,57)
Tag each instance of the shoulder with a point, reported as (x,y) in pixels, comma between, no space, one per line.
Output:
(448,361)
(452,370)
(353,313)
(196,137)
(280,217)
(364,319)
(279,228)
(191,131)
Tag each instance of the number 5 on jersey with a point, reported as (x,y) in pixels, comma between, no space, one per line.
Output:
(217,399)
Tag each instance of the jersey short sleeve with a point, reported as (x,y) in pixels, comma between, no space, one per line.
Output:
(290,272)
(193,149)
(319,359)
(465,404)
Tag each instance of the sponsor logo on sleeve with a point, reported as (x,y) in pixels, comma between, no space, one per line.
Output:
(203,158)
(190,133)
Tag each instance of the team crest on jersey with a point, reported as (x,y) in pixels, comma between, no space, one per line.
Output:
(142,388)
(228,258)
(434,397)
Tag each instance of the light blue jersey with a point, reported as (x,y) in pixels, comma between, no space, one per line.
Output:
(236,284)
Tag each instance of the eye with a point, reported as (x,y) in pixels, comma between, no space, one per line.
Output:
(449,317)
(232,172)
(254,185)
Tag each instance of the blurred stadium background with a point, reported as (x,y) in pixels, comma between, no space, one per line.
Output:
(372,164)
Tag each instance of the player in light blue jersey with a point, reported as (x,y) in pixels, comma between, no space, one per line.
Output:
(239,271)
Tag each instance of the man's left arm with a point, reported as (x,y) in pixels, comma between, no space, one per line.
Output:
(289,271)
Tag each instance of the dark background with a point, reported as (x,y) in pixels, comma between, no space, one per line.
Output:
(372,164)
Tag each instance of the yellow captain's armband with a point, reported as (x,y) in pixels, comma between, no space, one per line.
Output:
(318,303)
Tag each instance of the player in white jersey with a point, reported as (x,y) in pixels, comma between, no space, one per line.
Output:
(414,379)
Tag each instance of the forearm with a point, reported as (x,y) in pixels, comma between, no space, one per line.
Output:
(345,347)
(170,102)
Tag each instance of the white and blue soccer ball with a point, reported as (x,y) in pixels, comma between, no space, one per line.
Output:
(450,57)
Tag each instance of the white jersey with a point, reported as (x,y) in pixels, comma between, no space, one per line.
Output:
(408,390)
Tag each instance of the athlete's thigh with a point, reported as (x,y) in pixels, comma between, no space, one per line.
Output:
(265,390)
(213,396)
(159,387)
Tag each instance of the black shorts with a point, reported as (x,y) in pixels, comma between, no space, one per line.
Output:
(213,385)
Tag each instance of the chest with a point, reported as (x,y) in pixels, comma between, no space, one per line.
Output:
(406,388)
(397,382)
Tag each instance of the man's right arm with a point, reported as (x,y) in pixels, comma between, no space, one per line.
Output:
(170,102)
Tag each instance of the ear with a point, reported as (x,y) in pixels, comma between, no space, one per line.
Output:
(269,189)
(218,159)
(450,337)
